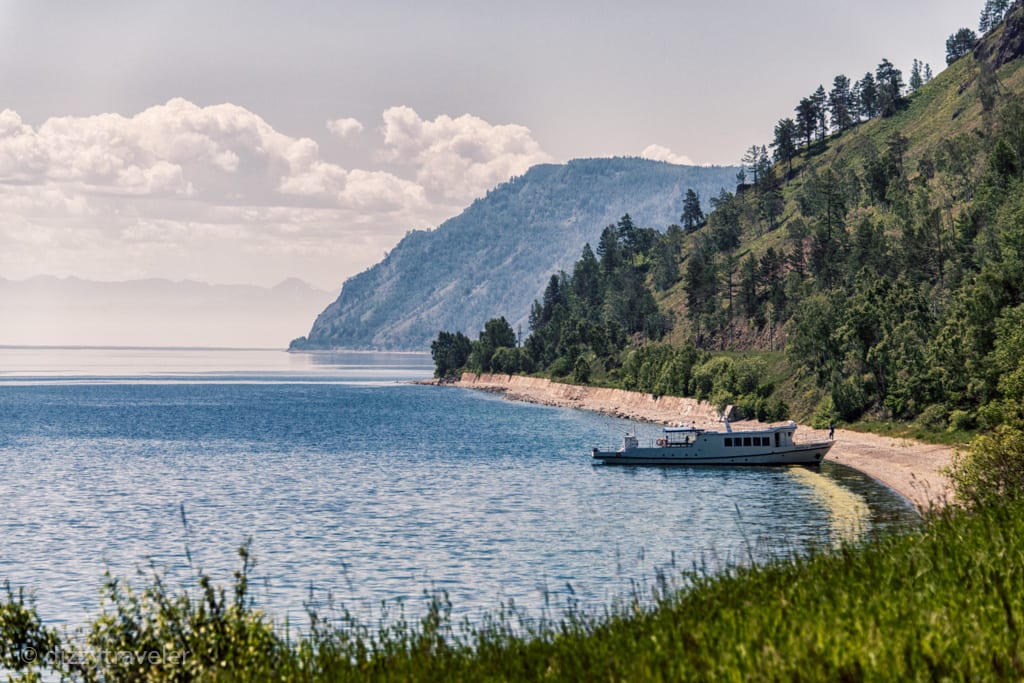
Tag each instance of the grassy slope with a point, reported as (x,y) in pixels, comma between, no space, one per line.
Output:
(917,607)
(946,107)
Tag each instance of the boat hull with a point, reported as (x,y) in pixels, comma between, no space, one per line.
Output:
(798,454)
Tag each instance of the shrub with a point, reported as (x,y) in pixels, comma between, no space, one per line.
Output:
(961,421)
(933,418)
(992,471)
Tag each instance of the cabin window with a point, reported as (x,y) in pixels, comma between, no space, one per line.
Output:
(776,439)
(728,442)
(746,441)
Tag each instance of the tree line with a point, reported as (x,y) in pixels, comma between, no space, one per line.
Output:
(894,282)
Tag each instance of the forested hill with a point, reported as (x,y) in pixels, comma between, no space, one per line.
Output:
(498,254)
(880,244)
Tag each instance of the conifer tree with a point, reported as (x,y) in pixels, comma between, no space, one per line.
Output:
(991,15)
(840,103)
(868,96)
(784,144)
(889,80)
(916,79)
(693,216)
(820,100)
(959,44)
(749,161)
(806,119)
(764,165)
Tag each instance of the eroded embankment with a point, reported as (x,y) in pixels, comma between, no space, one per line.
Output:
(909,467)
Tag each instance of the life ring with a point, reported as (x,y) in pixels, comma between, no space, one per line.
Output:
(662,442)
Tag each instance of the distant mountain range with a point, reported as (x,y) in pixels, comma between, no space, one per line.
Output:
(50,311)
(496,256)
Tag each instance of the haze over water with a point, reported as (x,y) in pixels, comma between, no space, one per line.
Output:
(361,487)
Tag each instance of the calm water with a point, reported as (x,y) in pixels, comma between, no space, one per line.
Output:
(361,487)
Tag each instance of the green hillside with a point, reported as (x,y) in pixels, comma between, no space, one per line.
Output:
(872,272)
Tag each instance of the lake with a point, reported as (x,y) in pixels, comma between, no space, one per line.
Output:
(356,487)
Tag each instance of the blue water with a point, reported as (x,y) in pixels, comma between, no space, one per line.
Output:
(359,487)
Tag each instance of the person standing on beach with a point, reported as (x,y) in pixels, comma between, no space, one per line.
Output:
(831,431)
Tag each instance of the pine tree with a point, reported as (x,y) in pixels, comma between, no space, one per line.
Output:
(586,279)
(985,20)
(784,144)
(749,161)
(916,79)
(960,44)
(693,216)
(840,103)
(928,73)
(820,100)
(868,96)
(806,119)
(608,249)
(991,15)
(764,165)
(890,88)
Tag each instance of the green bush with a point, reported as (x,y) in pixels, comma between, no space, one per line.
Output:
(961,421)
(992,470)
(560,368)
(934,418)
(581,371)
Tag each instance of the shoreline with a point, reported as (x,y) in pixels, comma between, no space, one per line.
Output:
(910,468)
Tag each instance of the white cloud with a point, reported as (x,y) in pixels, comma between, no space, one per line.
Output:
(459,158)
(216,193)
(345,127)
(660,153)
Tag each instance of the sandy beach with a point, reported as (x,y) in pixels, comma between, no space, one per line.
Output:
(911,468)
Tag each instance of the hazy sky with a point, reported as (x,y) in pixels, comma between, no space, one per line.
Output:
(245,142)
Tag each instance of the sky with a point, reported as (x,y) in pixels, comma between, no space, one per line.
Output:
(248,142)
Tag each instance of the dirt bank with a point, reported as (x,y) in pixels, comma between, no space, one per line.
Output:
(911,468)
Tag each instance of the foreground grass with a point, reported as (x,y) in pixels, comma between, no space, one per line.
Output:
(946,601)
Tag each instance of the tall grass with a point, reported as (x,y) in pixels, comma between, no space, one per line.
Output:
(946,601)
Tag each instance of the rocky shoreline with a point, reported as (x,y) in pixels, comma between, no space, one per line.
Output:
(911,468)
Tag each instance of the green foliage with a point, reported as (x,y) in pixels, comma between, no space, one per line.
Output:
(883,254)
(606,301)
(693,215)
(991,15)
(960,44)
(661,369)
(992,471)
(450,352)
(495,349)
(25,643)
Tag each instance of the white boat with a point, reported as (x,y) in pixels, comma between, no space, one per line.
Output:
(693,446)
